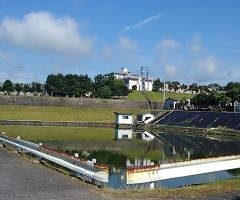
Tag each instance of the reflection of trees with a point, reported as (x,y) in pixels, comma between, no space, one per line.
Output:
(114,159)
(234,172)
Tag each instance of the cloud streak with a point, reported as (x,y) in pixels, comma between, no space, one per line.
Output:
(142,23)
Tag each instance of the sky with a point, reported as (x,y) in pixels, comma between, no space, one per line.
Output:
(190,41)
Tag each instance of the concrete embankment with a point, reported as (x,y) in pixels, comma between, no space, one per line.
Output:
(76,102)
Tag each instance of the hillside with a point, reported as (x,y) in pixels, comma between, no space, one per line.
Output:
(156,96)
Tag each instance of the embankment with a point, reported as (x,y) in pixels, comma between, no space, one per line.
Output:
(76,102)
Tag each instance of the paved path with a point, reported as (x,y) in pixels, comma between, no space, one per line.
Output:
(21,179)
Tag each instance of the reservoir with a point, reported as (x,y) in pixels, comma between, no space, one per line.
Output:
(120,148)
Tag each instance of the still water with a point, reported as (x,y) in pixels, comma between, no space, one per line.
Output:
(120,148)
(124,148)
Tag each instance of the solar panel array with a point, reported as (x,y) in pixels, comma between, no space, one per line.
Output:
(200,119)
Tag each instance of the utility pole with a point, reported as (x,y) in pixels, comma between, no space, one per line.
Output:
(142,72)
(147,80)
(20,75)
(164,92)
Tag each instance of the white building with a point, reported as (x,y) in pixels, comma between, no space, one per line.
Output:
(123,118)
(144,118)
(133,79)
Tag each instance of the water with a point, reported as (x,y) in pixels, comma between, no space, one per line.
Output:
(135,148)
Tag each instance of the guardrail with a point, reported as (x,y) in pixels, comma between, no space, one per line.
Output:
(89,170)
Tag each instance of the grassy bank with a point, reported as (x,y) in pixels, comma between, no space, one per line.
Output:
(189,192)
(62,113)
(157,96)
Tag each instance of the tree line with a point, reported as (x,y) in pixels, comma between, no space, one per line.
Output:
(72,85)
(106,87)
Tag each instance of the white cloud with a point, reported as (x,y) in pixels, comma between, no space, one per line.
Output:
(125,43)
(42,31)
(207,68)
(171,71)
(4,56)
(107,52)
(167,47)
(142,23)
(195,45)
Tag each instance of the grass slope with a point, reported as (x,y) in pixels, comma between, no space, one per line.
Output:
(157,96)
(62,113)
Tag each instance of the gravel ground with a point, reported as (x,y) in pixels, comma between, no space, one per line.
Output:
(21,179)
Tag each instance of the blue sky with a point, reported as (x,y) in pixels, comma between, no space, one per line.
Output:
(190,41)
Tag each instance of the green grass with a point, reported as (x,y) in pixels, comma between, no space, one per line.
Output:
(136,96)
(157,96)
(62,113)
(188,192)
(59,133)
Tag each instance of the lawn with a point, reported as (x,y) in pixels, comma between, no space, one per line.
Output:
(48,113)
(157,96)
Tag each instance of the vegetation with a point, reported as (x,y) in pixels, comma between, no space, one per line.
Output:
(188,192)
(62,113)
(218,100)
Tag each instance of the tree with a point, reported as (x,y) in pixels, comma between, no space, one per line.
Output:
(200,100)
(105,92)
(99,82)
(120,88)
(18,87)
(176,85)
(194,87)
(8,86)
(55,85)
(157,85)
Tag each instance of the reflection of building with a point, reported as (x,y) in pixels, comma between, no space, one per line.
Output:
(144,136)
(123,134)
(130,80)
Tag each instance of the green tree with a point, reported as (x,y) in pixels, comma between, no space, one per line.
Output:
(157,85)
(105,92)
(55,85)
(8,86)
(18,87)
(120,88)
(99,82)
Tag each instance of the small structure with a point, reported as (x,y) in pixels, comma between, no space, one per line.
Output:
(176,104)
(144,118)
(123,119)
(170,104)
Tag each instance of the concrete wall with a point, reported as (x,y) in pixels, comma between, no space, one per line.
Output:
(74,102)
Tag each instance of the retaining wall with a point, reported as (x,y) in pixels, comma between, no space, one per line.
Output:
(75,102)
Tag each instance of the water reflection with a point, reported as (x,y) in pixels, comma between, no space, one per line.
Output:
(142,148)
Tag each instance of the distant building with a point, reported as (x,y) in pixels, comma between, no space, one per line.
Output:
(133,79)
(176,104)
(236,107)
(144,118)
